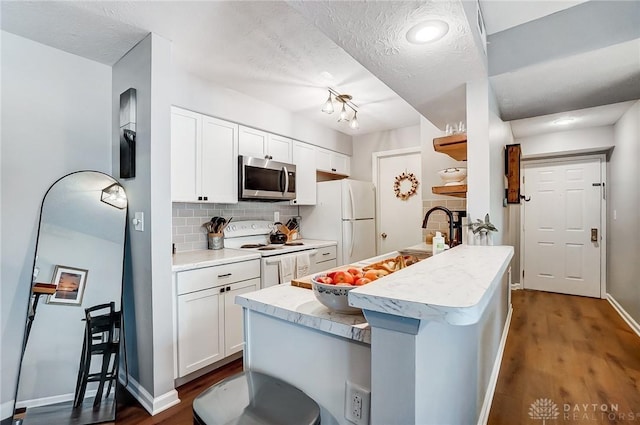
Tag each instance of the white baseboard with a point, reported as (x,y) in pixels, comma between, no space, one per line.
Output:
(46,401)
(516,286)
(151,404)
(6,410)
(493,379)
(635,326)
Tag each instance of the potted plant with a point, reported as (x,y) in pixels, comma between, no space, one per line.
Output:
(481,231)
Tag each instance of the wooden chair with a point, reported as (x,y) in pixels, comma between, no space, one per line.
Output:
(102,338)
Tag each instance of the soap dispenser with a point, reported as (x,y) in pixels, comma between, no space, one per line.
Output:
(437,245)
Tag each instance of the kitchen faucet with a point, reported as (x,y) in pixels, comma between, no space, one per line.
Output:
(457,224)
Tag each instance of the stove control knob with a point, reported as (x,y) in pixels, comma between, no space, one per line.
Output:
(253,226)
(232,227)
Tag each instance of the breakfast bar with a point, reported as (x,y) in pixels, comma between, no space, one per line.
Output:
(427,346)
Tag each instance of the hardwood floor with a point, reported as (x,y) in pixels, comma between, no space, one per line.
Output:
(574,351)
(130,412)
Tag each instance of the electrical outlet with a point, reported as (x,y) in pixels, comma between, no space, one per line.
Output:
(276,216)
(357,402)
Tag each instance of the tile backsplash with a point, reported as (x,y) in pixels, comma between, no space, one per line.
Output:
(187,219)
(438,220)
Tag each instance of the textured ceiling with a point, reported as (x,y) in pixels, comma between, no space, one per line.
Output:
(544,57)
(428,76)
(263,49)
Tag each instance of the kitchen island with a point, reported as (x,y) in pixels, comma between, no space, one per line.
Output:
(428,345)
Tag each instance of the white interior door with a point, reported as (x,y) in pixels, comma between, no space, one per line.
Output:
(399,221)
(564,211)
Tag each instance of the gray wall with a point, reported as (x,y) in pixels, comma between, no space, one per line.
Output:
(365,145)
(56,118)
(148,301)
(623,245)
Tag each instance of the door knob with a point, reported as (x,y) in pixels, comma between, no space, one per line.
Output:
(384,235)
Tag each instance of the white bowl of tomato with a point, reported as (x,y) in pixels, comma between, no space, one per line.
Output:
(332,289)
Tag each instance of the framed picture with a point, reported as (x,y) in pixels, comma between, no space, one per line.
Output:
(70,283)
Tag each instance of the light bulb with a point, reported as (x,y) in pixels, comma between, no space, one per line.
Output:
(354,124)
(427,31)
(328,105)
(343,114)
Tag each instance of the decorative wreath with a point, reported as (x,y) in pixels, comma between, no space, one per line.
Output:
(414,186)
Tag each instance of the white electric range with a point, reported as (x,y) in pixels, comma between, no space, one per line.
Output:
(253,236)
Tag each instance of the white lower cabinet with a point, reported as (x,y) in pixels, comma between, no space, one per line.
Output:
(209,323)
(326,259)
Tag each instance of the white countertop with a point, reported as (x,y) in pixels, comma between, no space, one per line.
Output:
(452,287)
(189,260)
(299,305)
(209,257)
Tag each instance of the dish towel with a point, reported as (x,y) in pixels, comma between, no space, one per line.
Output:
(303,264)
(286,268)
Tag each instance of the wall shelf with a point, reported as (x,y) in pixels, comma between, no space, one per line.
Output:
(455,146)
(459,191)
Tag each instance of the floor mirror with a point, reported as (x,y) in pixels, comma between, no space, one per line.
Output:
(70,354)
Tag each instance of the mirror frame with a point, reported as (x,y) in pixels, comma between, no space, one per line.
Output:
(25,335)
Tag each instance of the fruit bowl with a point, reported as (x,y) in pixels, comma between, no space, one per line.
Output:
(334,297)
(453,176)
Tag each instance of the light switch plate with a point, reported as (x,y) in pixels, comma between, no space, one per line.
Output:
(138,221)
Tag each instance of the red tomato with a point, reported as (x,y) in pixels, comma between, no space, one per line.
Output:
(362,281)
(356,273)
(343,277)
(325,279)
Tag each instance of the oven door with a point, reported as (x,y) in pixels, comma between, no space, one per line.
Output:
(266,180)
(270,268)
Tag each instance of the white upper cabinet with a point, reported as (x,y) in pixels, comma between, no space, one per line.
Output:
(219,160)
(185,143)
(279,148)
(332,162)
(204,164)
(261,144)
(304,159)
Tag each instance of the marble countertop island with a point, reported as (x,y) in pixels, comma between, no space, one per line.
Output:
(299,305)
(452,287)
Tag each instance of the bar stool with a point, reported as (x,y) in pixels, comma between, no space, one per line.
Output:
(253,398)
(102,338)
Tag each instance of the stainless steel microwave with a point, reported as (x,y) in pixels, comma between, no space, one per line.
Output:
(265,180)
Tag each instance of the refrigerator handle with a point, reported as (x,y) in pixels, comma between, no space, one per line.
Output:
(353,207)
(353,235)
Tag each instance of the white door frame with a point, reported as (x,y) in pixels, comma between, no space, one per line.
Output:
(603,213)
(375,161)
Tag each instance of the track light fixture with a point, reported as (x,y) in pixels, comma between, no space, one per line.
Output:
(345,99)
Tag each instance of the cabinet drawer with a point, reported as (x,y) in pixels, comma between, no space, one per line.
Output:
(209,277)
(326,253)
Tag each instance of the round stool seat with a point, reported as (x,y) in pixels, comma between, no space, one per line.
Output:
(253,398)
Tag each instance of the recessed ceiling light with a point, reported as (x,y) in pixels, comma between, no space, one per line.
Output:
(564,121)
(427,31)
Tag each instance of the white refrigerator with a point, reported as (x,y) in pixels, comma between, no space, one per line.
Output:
(344,211)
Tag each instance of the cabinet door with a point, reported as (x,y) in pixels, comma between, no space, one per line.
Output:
(323,160)
(185,146)
(304,157)
(233,317)
(340,164)
(279,148)
(219,161)
(200,339)
(252,142)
